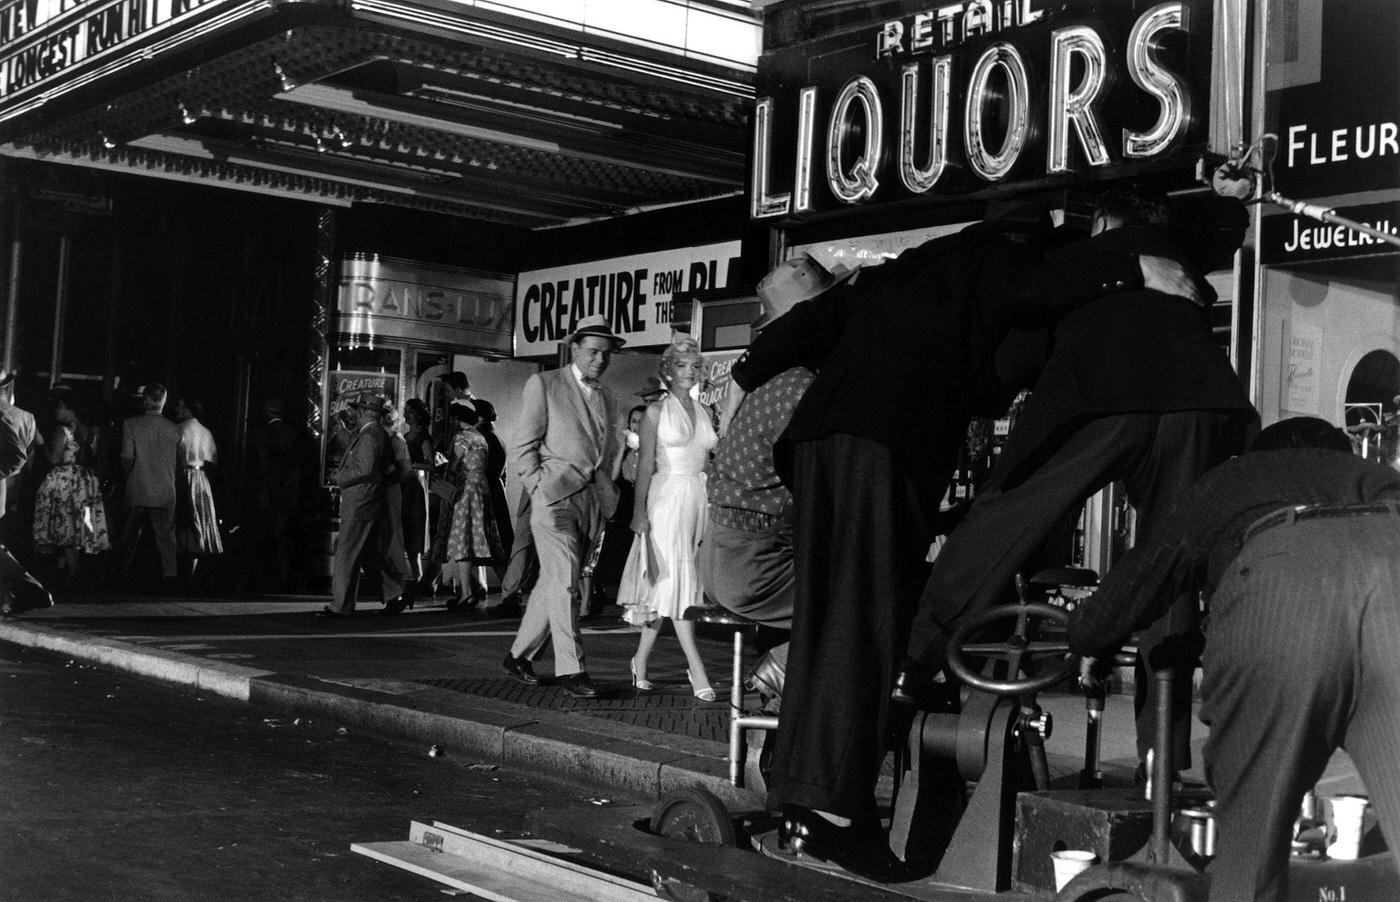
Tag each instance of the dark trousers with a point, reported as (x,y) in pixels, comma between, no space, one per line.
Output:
(861,538)
(749,572)
(162,523)
(1157,456)
(367,543)
(1300,659)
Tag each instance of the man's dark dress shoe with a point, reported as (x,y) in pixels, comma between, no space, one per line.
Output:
(911,683)
(398,605)
(330,614)
(915,686)
(860,848)
(579,685)
(521,669)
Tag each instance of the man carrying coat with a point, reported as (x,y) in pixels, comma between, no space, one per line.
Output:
(565,443)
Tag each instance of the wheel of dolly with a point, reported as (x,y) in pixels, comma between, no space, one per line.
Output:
(697,815)
(693,813)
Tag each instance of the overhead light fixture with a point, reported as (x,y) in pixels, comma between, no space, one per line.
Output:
(287,83)
(340,137)
(186,116)
(108,143)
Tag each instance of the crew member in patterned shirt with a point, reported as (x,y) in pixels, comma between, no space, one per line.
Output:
(746,561)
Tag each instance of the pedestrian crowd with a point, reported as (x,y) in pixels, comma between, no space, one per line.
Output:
(78,473)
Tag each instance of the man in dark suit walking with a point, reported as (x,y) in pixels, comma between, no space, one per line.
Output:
(19,590)
(1296,540)
(1135,389)
(365,532)
(150,451)
(15,530)
(565,443)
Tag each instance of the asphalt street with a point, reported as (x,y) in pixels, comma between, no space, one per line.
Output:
(122,789)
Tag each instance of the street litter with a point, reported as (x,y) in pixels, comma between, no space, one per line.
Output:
(436,752)
(481,767)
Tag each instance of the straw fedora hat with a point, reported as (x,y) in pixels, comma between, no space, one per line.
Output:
(597,325)
(799,279)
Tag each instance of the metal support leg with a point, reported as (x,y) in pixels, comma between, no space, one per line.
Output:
(736,711)
(1160,851)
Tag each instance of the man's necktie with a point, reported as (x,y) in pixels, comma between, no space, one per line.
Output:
(597,410)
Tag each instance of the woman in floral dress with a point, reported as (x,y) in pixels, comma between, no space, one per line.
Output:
(70,519)
(474,539)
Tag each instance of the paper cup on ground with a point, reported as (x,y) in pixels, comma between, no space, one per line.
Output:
(1348,813)
(1069,862)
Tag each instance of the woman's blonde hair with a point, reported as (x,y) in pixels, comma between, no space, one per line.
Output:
(684,346)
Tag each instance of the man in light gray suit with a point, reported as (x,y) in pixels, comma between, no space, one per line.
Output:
(565,441)
(150,444)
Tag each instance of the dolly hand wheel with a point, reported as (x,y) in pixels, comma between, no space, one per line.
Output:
(1017,650)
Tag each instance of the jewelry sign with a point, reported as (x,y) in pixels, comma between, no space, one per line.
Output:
(958,97)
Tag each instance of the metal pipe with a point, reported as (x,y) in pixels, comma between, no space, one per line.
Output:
(736,710)
(12,295)
(60,309)
(1329,215)
(1162,769)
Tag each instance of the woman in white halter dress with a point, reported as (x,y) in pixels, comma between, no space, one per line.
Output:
(668,515)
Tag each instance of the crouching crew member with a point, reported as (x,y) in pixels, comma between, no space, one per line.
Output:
(1297,544)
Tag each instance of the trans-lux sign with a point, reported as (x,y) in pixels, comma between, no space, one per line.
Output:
(962,96)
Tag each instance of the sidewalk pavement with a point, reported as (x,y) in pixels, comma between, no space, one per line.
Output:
(435,676)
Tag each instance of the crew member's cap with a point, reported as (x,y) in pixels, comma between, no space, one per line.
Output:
(456,380)
(597,325)
(799,279)
(652,390)
(370,401)
(8,379)
(272,407)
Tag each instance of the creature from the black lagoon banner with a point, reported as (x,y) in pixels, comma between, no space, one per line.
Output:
(956,97)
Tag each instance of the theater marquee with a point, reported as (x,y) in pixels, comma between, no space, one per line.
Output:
(963,96)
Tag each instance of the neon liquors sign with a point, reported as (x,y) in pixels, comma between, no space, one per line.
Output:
(961,96)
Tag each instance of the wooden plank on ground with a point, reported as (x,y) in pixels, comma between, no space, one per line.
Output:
(499,870)
(529,863)
(460,873)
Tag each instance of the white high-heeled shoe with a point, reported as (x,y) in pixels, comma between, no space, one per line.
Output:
(705,693)
(639,685)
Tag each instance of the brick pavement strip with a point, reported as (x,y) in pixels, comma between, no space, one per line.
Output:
(611,754)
